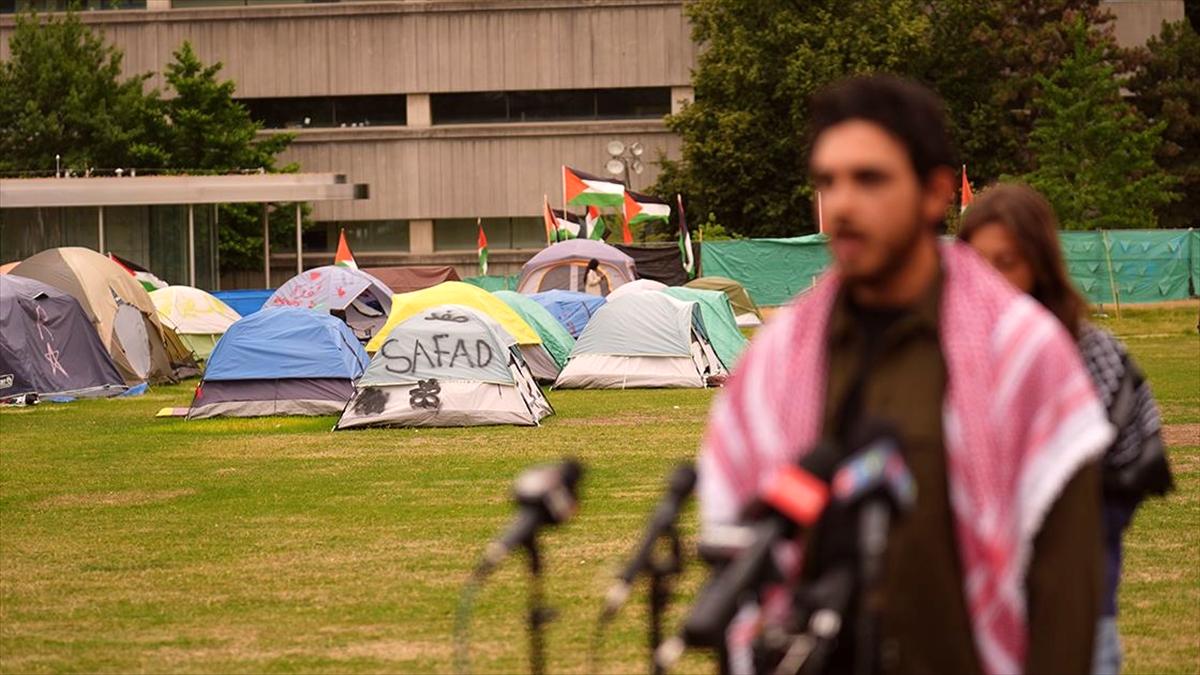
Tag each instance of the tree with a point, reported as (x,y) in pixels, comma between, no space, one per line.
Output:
(759,63)
(1166,89)
(209,132)
(61,93)
(1093,153)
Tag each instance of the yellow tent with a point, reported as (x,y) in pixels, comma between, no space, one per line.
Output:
(405,305)
(199,318)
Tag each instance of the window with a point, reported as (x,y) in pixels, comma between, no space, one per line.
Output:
(363,236)
(462,234)
(550,105)
(14,6)
(328,111)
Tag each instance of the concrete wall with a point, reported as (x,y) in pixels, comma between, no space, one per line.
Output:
(1139,20)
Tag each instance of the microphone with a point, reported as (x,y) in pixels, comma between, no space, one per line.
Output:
(795,498)
(679,487)
(545,495)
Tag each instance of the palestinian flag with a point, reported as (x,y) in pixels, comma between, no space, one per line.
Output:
(483,251)
(550,220)
(967,195)
(570,226)
(143,276)
(685,241)
(343,257)
(595,224)
(582,189)
(640,208)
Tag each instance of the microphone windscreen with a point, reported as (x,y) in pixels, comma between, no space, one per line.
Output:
(682,481)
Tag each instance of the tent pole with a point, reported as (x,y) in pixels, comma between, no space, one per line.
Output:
(192,245)
(299,244)
(266,246)
(100,229)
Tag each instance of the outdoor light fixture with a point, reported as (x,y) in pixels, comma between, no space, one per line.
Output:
(624,159)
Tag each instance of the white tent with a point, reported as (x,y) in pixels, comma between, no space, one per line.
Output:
(447,366)
(636,286)
(642,340)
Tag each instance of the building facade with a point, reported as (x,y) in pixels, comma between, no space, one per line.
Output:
(451,110)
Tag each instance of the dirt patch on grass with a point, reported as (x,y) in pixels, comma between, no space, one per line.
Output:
(124,498)
(1179,435)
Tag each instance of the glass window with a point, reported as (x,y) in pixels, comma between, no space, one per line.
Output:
(361,235)
(24,232)
(462,234)
(328,111)
(549,105)
(14,6)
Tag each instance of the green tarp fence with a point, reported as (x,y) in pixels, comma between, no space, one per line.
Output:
(1143,265)
(491,284)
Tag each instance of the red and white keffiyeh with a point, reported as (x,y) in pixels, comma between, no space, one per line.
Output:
(1020,418)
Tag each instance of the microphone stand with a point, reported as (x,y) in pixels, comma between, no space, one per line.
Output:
(539,614)
(661,572)
(874,520)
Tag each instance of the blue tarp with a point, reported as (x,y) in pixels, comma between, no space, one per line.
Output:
(245,302)
(573,310)
(286,342)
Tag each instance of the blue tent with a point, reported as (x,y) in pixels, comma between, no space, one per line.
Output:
(246,301)
(281,361)
(573,310)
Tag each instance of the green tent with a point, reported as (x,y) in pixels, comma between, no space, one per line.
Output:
(555,338)
(719,323)
(492,284)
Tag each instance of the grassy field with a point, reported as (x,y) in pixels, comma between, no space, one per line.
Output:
(130,543)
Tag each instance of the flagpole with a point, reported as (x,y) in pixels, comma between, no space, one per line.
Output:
(820,215)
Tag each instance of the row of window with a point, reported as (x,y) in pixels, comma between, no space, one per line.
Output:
(297,112)
(449,234)
(15,6)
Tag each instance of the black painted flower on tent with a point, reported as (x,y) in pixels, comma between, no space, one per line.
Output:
(371,402)
(425,395)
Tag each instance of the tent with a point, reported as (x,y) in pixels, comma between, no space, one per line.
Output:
(636,286)
(145,277)
(446,366)
(747,313)
(555,338)
(642,340)
(8,266)
(408,278)
(354,296)
(562,266)
(116,304)
(719,323)
(572,310)
(197,317)
(245,301)
(405,305)
(48,346)
(283,361)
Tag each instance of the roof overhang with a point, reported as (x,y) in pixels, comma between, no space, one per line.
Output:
(144,190)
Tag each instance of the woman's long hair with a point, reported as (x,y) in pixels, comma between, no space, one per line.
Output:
(1031,221)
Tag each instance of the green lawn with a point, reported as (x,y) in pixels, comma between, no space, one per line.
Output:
(130,543)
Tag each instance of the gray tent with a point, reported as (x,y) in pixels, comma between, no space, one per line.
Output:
(48,346)
(447,366)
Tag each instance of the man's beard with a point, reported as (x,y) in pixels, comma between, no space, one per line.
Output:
(898,256)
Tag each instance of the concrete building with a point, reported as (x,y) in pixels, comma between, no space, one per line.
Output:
(450,110)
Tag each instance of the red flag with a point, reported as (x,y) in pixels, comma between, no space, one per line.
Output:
(551,221)
(343,256)
(482,249)
(967,195)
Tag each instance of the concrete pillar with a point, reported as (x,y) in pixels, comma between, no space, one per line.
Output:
(299,243)
(419,114)
(266,225)
(420,236)
(191,247)
(681,96)
(158,4)
(100,230)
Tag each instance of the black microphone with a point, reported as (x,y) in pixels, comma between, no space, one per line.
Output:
(545,495)
(795,497)
(679,487)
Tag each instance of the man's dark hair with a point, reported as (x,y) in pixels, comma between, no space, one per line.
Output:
(908,111)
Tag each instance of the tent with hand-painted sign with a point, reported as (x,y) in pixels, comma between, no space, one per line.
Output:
(572,310)
(643,340)
(405,305)
(568,265)
(48,347)
(281,361)
(197,317)
(446,366)
(350,294)
(116,304)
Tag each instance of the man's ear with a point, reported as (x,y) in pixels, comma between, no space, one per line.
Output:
(939,192)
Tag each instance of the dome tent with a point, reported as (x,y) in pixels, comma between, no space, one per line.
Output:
(117,305)
(747,313)
(719,323)
(572,310)
(47,345)
(557,341)
(197,317)
(405,305)
(642,340)
(562,266)
(352,295)
(636,286)
(446,366)
(283,361)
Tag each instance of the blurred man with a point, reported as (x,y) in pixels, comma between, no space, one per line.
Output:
(997,567)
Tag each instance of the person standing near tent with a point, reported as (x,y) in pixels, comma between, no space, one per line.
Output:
(591,278)
(996,568)
(1014,228)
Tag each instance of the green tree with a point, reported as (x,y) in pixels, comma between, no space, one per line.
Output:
(61,93)
(759,63)
(1093,152)
(1166,89)
(209,132)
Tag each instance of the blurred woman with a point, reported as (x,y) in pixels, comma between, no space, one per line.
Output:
(1014,228)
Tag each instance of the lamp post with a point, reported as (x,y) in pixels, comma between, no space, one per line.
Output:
(624,159)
